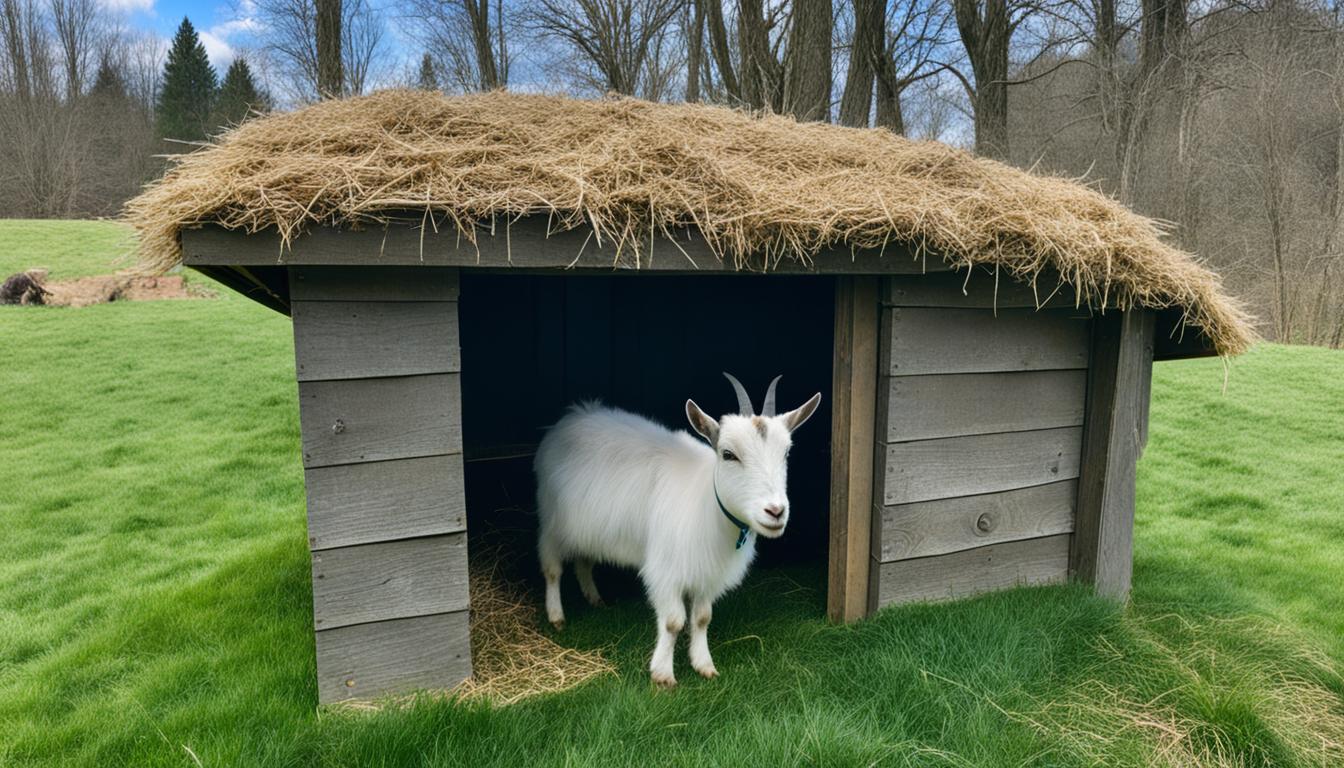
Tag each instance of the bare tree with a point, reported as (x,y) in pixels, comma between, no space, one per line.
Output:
(720,48)
(694,15)
(866,52)
(807,61)
(330,73)
(986,31)
(614,37)
(466,37)
(290,41)
(76,27)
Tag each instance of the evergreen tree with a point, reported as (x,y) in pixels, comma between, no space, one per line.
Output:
(238,96)
(188,88)
(108,83)
(428,80)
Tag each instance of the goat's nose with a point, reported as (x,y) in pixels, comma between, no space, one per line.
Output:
(775,510)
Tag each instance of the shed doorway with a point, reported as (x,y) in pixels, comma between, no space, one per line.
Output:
(532,344)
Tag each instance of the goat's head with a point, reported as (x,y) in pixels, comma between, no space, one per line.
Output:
(751,462)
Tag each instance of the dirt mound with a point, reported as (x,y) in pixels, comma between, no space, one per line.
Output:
(100,289)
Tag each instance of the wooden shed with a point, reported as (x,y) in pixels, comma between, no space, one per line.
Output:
(984,343)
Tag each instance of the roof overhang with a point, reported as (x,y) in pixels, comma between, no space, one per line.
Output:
(256,265)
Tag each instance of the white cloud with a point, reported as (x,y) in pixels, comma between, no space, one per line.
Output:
(235,27)
(220,40)
(129,6)
(218,50)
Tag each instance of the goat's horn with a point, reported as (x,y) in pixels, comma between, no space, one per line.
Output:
(768,407)
(743,402)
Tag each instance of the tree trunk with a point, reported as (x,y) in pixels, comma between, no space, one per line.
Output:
(330,74)
(760,76)
(695,51)
(718,40)
(985,37)
(807,62)
(1107,43)
(868,46)
(889,89)
(1162,27)
(483,39)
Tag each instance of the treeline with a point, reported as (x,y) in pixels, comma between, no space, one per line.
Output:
(89,109)
(1221,117)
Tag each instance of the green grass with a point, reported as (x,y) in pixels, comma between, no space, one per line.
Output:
(68,248)
(155,605)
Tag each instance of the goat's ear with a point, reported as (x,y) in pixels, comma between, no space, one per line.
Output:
(795,418)
(702,423)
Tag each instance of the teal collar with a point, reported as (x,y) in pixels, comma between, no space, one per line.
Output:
(742,528)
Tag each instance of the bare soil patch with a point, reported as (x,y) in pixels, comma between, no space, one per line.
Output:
(100,289)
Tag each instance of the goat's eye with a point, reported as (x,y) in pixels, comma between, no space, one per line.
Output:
(729,456)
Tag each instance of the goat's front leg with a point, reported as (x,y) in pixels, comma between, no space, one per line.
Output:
(671,611)
(702,610)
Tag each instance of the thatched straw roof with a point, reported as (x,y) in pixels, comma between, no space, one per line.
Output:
(749,184)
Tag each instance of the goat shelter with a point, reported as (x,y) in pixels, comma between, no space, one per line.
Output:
(458,270)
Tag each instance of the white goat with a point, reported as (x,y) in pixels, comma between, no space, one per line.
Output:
(617,488)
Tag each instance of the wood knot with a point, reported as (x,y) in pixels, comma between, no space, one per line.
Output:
(338,427)
(984,523)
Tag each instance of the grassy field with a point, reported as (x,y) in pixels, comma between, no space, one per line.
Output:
(68,248)
(155,605)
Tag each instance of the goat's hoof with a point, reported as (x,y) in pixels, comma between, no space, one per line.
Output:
(708,672)
(559,624)
(597,602)
(664,680)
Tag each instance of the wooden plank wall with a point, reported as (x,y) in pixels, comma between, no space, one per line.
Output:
(376,354)
(981,402)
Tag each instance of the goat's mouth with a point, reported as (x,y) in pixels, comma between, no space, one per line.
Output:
(771,529)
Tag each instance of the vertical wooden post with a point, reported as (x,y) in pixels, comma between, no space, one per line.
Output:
(376,355)
(1102,551)
(853,443)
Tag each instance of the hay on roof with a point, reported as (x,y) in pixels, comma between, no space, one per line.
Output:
(630,169)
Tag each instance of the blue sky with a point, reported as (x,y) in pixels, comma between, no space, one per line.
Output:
(223,26)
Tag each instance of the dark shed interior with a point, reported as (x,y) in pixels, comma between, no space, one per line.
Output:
(532,345)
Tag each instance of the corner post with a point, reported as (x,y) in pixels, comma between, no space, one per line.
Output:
(378,366)
(1114,428)
(853,443)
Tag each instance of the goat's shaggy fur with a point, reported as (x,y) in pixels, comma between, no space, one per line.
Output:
(617,488)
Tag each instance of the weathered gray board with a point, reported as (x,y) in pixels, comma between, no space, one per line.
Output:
(362,661)
(526,244)
(360,339)
(353,420)
(950,405)
(1114,432)
(947,467)
(389,580)
(926,528)
(385,500)
(380,414)
(942,340)
(980,438)
(1043,560)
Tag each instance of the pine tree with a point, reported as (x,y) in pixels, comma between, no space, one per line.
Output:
(108,83)
(428,80)
(188,88)
(238,96)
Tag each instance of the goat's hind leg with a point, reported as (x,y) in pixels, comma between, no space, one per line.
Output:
(552,566)
(583,569)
